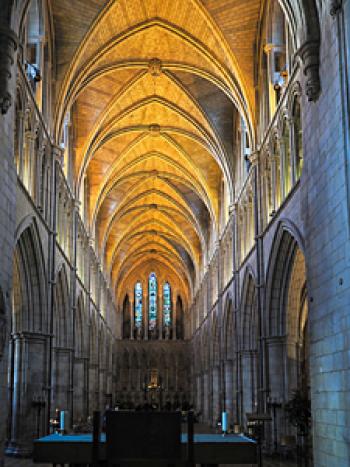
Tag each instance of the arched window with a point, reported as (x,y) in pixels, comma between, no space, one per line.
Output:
(298,138)
(35,38)
(152,298)
(277,173)
(279,50)
(138,305)
(167,304)
(287,165)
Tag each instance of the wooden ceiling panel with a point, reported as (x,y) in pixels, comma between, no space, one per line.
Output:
(154,88)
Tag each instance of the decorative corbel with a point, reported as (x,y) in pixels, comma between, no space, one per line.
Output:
(335,7)
(309,53)
(8,46)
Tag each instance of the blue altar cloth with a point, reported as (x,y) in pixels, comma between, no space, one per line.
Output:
(198,438)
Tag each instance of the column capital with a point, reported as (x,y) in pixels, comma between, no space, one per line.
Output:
(57,153)
(254,158)
(231,208)
(271,47)
(309,53)
(30,135)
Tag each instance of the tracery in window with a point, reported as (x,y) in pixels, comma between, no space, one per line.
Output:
(287,166)
(298,138)
(167,304)
(152,300)
(277,174)
(138,305)
(34,37)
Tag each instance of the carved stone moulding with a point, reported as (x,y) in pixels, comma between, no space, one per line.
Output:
(154,129)
(8,46)
(155,67)
(309,53)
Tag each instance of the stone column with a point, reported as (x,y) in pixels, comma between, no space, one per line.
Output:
(173,310)
(79,394)
(215,394)
(20,134)
(292,151)
(29,374)
(250,225)
(283,169)
(160,314)
(132,317)
(29,165)
(39,177)
(93,387)
(145,311)
(276,350)
(268,196)
(229,392)
(249,381)
(61,384)
(275,188)
(206,397)
(73,305)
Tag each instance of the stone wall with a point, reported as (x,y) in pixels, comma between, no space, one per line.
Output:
(168,362)
(7,201)
(325,205)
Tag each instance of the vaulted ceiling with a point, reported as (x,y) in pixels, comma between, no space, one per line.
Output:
(153,88)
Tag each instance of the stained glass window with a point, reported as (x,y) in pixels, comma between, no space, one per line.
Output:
(152,297)
(166,304)
(138,305)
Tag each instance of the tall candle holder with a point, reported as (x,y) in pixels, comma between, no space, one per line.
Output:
(224,423)
(55,421)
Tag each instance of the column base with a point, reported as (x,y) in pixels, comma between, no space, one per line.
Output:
(15,450)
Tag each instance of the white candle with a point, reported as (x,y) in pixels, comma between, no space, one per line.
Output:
(224,421)
(62,420)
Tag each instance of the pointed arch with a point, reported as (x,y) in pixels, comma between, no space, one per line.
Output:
(249,328)
(167,315)
(229,334)
(29,310)
(62,324)
(152,302)
(286,243)
(80,328)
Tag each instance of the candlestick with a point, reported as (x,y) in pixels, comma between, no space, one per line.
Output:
(224,422)
(62,421)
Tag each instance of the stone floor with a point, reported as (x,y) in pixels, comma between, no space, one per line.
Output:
(15,462)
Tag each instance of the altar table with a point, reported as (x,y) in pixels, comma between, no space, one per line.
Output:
(209,448)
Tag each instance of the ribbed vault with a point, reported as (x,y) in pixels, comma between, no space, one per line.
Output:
(152,92)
